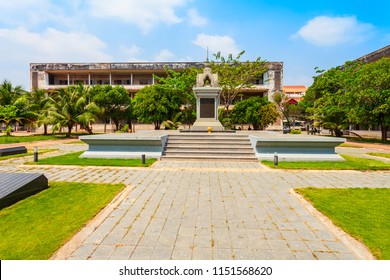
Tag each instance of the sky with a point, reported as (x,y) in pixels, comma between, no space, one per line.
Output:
(301,34)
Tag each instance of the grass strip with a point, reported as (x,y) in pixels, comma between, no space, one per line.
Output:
(30,152)
(385,155)
(36,227)
(74,159)
(363,213)
(350,163)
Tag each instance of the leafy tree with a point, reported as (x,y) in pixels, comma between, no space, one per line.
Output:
(181,84)
(9,114)
(115,102)
(291,112)
(8,93)
(255,110)
(34,107)
(330,95)
(153,104)
(71,106)
(370,97)
(233,75)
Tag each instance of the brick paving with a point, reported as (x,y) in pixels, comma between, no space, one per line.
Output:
(207,210)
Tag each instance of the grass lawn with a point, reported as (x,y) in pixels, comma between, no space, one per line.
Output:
(350,163)
(29,153)
(36,227)
(32,138)
(349,145)
(73,159)
(363,213)
(385,155)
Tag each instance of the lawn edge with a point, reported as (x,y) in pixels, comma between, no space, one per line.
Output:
(66,250)
(358,248)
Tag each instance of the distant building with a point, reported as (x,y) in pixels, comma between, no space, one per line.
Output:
(376,55)
(294,93)
(136,75)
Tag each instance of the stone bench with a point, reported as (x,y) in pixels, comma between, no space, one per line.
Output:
(13,151)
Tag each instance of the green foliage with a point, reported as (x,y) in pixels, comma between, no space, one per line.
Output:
(115,102)
(70,106)
(9,114)
(233,75)
(172,124)
(354,93)
(256,111)
(154,104)
(9,94)
(123,129)
(296,131)
(181,84)
(36,227)
(363,213)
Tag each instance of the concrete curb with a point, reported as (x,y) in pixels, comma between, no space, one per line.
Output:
(68,248)
(359,249)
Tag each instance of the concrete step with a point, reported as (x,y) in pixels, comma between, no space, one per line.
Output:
(221,147)
(208,158)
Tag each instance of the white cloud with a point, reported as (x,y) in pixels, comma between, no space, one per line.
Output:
(145,14)
(330,31)
(51,45)
(131,53)
(217,43)
(195,19)
(164,55)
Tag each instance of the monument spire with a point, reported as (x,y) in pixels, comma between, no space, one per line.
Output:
(207,57)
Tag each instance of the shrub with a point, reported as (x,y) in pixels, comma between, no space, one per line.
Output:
(295,131)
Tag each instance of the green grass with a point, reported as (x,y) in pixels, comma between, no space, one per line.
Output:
(363,213)
(32,138)
(349,145)
(385,155)
(366,140)
(29,153)
(74,159)
(36,227)
(350,163)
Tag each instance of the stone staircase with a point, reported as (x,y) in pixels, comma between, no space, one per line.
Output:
(209,147)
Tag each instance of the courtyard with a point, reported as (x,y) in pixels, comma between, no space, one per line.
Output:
(188,210)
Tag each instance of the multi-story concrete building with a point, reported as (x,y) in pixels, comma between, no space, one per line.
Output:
(135,75)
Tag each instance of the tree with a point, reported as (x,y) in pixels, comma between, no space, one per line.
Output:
(330,95)
(71,106)
(34,107)
(115,102)
(9,114)
(370,96)
(8,93)
(153,104)
(234,76)
(255,110)
(181,84)
(291,112)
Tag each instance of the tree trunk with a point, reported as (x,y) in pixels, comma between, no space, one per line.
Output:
(384,133)
(69,131)
(45,129)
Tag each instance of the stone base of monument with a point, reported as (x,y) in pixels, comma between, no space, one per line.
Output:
(297,148)
(204,125)
(123,146)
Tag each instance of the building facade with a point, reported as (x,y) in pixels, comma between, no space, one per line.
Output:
(133,76)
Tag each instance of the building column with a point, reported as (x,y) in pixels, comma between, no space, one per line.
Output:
(110,79)
(131,79)
(68,79)
(89,79)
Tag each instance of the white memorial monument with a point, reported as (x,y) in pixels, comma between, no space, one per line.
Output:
(207,102)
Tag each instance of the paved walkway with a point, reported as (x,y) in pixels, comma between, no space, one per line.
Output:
(208,210)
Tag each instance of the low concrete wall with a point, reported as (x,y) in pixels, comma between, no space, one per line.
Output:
(297,148)
(123,146)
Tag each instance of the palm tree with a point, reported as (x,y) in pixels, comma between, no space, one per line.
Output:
(34,106)
(8,93)
(70,106)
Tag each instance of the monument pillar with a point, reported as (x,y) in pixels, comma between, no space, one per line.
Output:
(207,102)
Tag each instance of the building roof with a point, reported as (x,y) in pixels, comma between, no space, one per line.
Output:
(376,55)
(297,88)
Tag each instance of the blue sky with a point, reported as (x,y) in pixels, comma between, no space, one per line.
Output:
(301,34)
